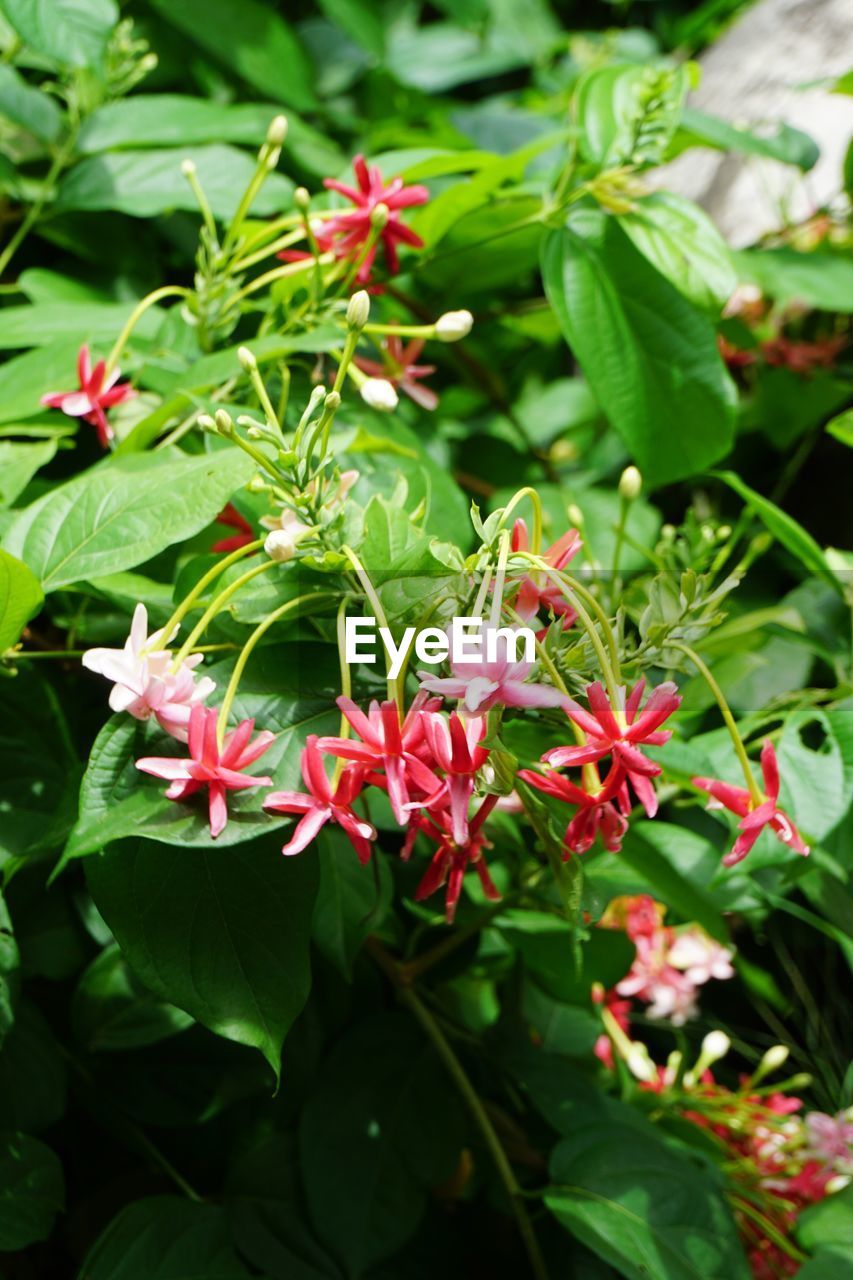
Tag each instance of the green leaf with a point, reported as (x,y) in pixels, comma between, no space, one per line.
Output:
(842,427)
(111,1010)
(785,143)
(441,56)
(650,357)
(33,110)
(32,1074)
(627,113)
(123,512)
(682,243)
(813,784)
(663,854)
(645,1208)
(46,322)
(252,41)
(222,933)
(20,598)
(25,379)
(785,529)
(352,900)
(19,463)
(822,279)
(9,963)
(70,32)
(287,688)
(379,1129)
(165,1238)
(148,183)
(32,1191)
(829,1224)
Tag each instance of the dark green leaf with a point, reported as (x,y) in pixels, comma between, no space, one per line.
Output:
(32,1191)
(112,1010)
(165,1238)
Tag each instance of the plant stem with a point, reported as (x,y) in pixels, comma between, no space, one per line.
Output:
(215,605)
(59,162)
(205,581)
(726,712)
(395,692)
(456,1071)
(535,502)
(168,291)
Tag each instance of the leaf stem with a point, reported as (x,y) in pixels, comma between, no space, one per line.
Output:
(157,295)
(215,605)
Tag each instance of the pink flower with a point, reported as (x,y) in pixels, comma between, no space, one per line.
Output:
(231,518)
(456,749)
(350,232)
(601,811)
(144,684)
(97,392)
(387,744)
(830,1138)
(544,593)
(481,684)
(619,731)
(451,861)
(321,805)
(400,369)
(754,817)
(209,765)
(700,957)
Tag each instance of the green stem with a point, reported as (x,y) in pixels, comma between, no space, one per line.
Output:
(59,161)
(469,1095)
(240,664)
(283,242)
(726,712)
(535,502)
(394,691)
(168,291)
(346,685)
(205,581)
(279,273)
(215,605)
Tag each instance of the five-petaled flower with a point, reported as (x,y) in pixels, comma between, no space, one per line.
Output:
(220,769)
(481,684)
(399,367)
(350,233)
(97,392)
(320,804)
(455,747)
(754,815)
(144,682)
(540,591)
(602,809)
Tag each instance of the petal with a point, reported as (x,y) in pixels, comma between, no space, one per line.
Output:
(514,693)
(84,365)
(770,770)
(736,799)
(603,711)
(217,809)
(289,802)
(307,828)
(164,767)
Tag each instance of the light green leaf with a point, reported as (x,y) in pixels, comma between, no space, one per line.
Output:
(18,465)
(842,427)
(47,322)
(70,32)
(148,183)
(821,279)
(650,357)
(627,113)
(32,1191)
(25,379)
(33,110)
(223,933)
(252,40)
(20,597)
(785,143)
(681,241)
(123,512)
(829,1224)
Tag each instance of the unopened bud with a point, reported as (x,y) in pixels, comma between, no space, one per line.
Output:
(257,484)
(247,359)
(224,422)
(332,402)
(640,1063)
(379,216)
(724,532)
(715,1046)
(280,545)
(630,484)
(453,325)
(575,515)
(207,424)
(773,1059)
(277,131)
(188,168)
(379,394)
(358,309)
(302,198)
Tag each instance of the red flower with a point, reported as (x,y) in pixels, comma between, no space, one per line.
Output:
(620,731)
(451,861)
(400,370)
(754,817)
(456,749)
(321,805)
(533,596)
(349,232)
(231,517)
(97,392)
(387,744)
(209,765)
(604,810)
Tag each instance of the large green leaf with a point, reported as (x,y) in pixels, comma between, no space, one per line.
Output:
(829,1224)
(25,379)
(252,40)
(649,356)
(287,688)
(32,1074)
(822,279)
(20,597)
(70,32)
(18,464)
(352,900)
(784,528)
(681,241)
(148,183)
(645,1208)
(784,143)
(112,1010)
(221,933)
(165,1238)
(123,512)
(28,107)
(47,322)
(379,1129)
(627,113)
(32,1191)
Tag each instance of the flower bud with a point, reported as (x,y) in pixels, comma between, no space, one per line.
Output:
(715,1046)
(379,394)
(247,359)
(280,545)
(453,325)
(302,198)
(224,423)
(207,424)
(630,484)
(358,309)
(277,131)
(188,168)
(774,1058)
(379,216)
(575,515)
(332,402)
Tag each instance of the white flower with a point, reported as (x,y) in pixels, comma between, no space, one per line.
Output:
(379,394)
(699,957)
(143,683)
(453,325)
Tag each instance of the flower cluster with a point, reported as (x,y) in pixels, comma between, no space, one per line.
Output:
(669,967)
